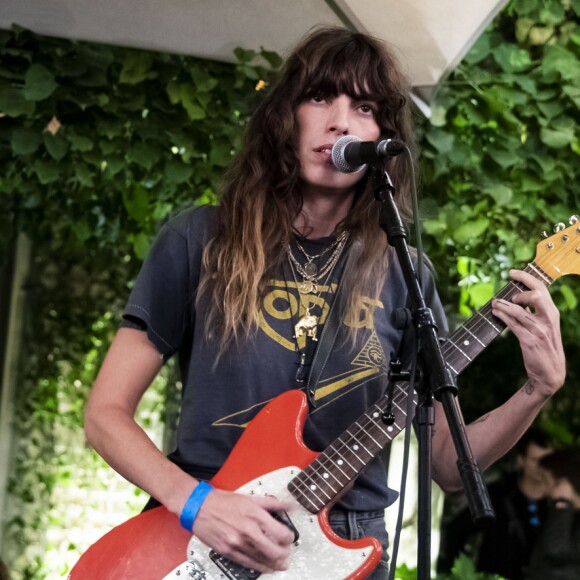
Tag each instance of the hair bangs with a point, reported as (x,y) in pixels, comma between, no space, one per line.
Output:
(358,68)
(350,70)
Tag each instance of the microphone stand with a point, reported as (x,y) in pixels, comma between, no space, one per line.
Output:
(437,383)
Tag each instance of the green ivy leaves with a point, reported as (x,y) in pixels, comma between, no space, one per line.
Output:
(500,165)
(95,130)
(39,83)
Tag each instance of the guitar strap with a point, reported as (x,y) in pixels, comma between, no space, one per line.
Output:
(326,341)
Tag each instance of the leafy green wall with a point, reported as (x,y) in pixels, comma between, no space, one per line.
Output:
(97,145)
(500,165)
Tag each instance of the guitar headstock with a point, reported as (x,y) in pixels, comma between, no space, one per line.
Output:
(559,254)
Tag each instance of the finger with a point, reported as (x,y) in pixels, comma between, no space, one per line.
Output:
(262,549)
(232,524)
(272,527)
(537,297)
(249,562)
(249,546)
(278,532)
(271,503)
(520,321)
(527,279)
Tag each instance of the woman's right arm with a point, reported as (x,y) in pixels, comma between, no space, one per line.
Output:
(128,369)
(232,524)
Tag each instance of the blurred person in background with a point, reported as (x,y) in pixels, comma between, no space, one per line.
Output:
(556,554)
(518,498)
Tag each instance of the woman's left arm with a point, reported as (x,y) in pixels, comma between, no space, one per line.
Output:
(533,317)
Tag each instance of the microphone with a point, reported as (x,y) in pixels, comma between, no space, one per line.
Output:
(350,154)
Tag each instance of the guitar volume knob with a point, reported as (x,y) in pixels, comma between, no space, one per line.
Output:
(573,219)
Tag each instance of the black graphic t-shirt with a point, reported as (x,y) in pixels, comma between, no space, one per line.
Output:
(219,399)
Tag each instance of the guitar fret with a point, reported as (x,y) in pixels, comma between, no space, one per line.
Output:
(316,473)
(377,423)
(488,321)
(326,462)
(455,372)
(326,467)
(335,464)
(315,487)
(294,487)
(331,473)
(326,482)
(474,336)
(369,434)
(311,492)
(343,459)
(541,274)
(356,447)
(460,350)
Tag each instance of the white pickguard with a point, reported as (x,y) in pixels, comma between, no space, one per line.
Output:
(312,556)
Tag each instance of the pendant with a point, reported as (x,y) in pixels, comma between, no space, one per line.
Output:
(310,269)
(307,325)
(307,287)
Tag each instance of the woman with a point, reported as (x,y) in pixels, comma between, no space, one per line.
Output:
(242,293)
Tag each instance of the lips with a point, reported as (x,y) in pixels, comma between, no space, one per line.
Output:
(326,149)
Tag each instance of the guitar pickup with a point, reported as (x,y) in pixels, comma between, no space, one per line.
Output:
(231,569)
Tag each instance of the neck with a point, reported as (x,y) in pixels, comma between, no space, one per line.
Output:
(532,489)
(320,215)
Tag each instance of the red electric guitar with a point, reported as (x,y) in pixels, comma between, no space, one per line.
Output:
(271,458)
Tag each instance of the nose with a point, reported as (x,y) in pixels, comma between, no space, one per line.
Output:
(338,116)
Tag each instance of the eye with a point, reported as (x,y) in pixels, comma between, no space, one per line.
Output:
(318,98)
(367,108)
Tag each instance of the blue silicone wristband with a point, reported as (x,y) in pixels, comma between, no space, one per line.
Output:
(193,504)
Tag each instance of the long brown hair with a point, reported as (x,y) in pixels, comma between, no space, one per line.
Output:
(262,196)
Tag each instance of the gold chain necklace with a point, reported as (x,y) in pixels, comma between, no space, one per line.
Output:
(310,267)
(310,276)
(308,323)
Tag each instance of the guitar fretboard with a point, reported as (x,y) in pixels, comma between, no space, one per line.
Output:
(341,462)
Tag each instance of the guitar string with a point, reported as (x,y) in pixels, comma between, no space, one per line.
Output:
(371,425)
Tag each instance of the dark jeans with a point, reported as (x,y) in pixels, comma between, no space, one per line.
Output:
(355,525)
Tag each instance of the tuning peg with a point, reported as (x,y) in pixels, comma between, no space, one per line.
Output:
(545,234)
(573,219)
(559,227)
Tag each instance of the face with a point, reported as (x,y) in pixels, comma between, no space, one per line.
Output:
(321,121)
(529,463)
(563,489)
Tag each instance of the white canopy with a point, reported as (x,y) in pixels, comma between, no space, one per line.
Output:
(431,36)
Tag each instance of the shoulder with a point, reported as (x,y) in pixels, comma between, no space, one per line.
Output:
(195,224)
(194,221)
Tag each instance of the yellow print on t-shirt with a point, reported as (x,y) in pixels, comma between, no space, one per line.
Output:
(282,307)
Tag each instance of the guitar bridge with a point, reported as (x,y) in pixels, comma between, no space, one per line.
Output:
(231,569)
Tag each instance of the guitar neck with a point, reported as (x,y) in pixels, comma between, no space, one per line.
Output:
(342,461)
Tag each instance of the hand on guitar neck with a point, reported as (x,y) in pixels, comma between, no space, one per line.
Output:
(537,327)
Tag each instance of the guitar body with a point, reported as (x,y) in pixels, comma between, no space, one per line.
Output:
(152,545)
